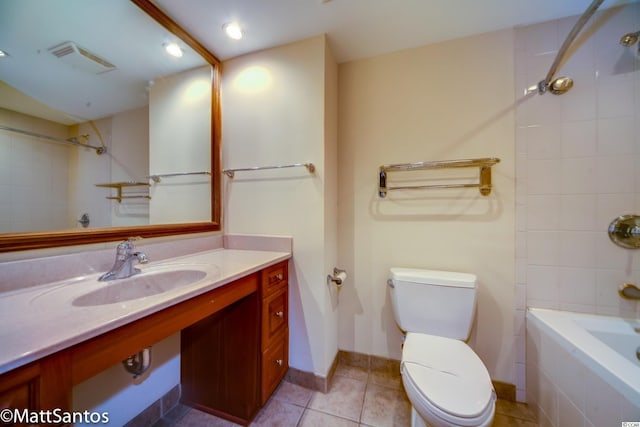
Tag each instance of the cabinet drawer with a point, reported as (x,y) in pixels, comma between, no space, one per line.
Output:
(275,362)
(275,316)
(274,277)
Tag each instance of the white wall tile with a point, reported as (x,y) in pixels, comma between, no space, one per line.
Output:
(543,247)
(580,102)
(611,206)
(578,285)
(615,99)
(542,38)
(616,136)
(579,138)
(543,283)
(544,176)
(578,175)
(578,248)
(543,141)
(543,212)
(616,174)
(570,263)
(578,212)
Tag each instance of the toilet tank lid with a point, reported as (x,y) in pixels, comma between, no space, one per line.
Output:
(434,277)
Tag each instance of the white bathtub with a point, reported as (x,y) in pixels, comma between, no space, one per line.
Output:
(582,368)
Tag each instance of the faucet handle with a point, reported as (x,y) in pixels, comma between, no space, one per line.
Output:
(126,247)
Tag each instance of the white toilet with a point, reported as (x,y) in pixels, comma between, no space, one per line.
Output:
(446,382)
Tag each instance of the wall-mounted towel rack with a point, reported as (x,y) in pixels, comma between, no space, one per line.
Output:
(231,172)
(156,178)
(70,141)
(120,195)
(484,180)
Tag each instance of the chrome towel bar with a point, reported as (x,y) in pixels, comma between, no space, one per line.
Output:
(70,141)
(484,180)
(156,178)
(231,172)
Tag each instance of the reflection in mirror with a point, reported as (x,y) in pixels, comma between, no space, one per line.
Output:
(82,78)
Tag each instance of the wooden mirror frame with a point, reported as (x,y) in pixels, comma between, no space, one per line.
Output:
(24,241)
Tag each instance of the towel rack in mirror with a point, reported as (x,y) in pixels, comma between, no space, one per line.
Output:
(231,172)
(483,164)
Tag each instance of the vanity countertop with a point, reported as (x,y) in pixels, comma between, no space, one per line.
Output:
(41,320)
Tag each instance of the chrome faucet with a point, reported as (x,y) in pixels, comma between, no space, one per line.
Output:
(123,266)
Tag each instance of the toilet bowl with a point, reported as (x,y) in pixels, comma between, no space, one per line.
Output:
(445,380)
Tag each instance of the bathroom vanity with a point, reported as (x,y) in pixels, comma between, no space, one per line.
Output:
(233,324)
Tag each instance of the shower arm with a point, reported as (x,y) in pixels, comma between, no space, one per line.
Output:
(544,84)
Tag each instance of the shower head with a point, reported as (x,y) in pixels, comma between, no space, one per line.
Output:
(557,87)
(561,85)
(629,39)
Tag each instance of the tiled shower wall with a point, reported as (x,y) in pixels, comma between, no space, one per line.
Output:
(33,175)
(578,168)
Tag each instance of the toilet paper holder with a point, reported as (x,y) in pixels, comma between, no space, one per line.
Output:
(338,276)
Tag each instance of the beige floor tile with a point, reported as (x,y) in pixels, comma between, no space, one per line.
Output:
(344,399)
(293,393)
(354,372)
(515,409)
(386,378)
(385,407)
(313,418)
(278,414)
(505,421)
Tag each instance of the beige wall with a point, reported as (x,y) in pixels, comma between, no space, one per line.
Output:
(279,108)
(179,142)
(453,100)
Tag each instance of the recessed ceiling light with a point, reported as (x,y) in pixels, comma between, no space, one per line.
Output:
(233,30)
(173,49)
(3,53)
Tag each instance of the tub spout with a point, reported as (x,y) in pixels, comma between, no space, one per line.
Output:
(629,291)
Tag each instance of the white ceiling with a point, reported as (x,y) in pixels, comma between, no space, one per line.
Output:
(115,30)
(359,28)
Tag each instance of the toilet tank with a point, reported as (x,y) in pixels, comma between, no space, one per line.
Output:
(433,302)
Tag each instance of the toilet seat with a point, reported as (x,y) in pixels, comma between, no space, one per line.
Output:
(446,381)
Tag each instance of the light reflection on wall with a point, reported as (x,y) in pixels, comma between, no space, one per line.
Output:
(196,90)
(253,79)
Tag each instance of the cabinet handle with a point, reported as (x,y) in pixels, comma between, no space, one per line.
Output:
(279,276)
(279,314)
(279,362)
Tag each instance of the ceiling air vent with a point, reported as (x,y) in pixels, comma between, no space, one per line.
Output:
(81,58)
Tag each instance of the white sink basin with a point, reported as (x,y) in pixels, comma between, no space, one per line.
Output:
(143,285)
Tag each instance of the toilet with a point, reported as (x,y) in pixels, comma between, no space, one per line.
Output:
(446,382)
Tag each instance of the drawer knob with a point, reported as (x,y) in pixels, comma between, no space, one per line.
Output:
(279,362)
(279,276)
(279,314)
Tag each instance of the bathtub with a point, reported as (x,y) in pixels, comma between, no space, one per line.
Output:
(582,369)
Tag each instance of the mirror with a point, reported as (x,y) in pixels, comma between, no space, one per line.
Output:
(96,89)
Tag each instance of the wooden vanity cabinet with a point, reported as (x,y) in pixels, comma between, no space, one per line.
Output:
(42,384)
(220,362)
(234,351)
(274,294)
(232,361)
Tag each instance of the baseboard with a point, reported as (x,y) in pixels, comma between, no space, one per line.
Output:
(505,391)
(310,380)
(157,410)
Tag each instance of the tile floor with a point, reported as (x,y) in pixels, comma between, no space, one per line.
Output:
(358,397)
